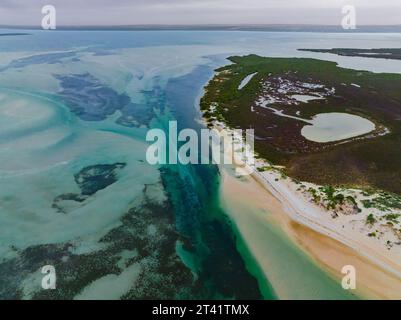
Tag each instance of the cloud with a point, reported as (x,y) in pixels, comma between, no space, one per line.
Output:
(131,12)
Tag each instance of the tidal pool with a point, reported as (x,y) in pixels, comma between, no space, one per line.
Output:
(246,80)
(305,98)
(328,127)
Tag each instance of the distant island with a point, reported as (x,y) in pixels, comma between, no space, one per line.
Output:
(394,54)
(13,34)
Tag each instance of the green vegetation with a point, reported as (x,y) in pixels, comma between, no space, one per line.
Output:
(331,197)
(384,202)
(394,54)
(370,219)
(392,217)
(352,200)
(315,195)
(372,162)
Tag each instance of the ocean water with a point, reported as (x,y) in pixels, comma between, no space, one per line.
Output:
(76,191)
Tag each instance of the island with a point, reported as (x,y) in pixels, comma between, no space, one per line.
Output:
(327,143)
(382,53)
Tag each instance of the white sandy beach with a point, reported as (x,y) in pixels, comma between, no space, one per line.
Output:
(378,273)
(265,197)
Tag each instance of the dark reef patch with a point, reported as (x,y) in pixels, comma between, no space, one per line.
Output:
(94,178)
(90,180)
(148,231)
(220,268)
(88,98)
(48,58)
(91,100)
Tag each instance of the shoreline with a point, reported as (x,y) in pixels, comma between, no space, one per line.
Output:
(368,258)
(335,227)
(312,216)
(311,229)
(374,280)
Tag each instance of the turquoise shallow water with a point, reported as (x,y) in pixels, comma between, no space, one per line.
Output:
(76,191)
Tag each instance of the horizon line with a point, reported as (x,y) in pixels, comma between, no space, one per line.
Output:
(203,25)
(311,28)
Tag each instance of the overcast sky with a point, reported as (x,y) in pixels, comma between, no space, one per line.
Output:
(133,12)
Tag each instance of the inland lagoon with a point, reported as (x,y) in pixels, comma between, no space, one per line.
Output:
(328,127)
